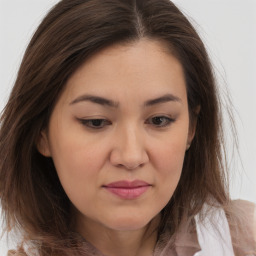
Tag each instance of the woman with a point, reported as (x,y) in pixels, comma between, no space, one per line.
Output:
(111,141)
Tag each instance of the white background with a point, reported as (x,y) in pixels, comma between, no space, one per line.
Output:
(228,28)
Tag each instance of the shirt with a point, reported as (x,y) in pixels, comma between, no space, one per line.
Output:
(216,235)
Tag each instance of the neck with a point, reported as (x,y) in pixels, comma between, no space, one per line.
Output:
(110,242)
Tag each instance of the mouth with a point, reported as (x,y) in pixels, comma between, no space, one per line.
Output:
(128,189)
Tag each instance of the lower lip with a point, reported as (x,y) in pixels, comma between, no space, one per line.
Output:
(128,193)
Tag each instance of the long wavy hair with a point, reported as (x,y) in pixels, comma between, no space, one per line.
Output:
(33,200)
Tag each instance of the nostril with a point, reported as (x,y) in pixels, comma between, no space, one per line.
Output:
(130,167)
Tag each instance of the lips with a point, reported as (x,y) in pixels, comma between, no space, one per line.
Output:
(128,189)
(127,184)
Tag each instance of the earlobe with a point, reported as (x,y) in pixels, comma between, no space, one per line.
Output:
(43,144)
(192,126)
(191,135)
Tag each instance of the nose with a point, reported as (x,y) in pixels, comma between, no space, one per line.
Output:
(129,149)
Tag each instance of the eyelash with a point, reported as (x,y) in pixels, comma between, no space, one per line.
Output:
(168,121)
(89,122)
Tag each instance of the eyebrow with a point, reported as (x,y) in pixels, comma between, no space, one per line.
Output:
(96,99)
(162,99)
(110,103)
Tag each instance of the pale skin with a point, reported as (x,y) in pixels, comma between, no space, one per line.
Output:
(141,131)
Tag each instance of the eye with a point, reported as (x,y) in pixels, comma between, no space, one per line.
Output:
(94,123)
(160,121)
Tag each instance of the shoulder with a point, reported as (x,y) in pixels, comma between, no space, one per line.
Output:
(244,206)
(16,253)
(23,251)
(241,216)
(230,229)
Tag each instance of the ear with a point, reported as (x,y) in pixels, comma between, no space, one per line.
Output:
(192,126)
(43,144)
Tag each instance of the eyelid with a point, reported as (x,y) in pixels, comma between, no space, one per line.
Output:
(85,122)
(169,119)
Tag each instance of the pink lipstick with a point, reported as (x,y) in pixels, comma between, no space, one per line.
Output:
(128,189)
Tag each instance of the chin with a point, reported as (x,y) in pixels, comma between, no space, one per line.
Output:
(129,223)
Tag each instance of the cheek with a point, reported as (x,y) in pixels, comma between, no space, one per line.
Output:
(170,166)
(77,163)
(72,150)
(78,173)
(169,162)
(169,153)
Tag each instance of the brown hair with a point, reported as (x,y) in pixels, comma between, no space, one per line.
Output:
(33,200)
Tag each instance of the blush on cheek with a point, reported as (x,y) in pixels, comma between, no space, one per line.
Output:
(171,163)
(171,158)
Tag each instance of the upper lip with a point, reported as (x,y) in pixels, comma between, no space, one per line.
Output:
(127,184)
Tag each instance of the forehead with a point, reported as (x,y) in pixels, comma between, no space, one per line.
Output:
(146,67)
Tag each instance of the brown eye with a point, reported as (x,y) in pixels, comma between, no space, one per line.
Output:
(95,123)
(160,121)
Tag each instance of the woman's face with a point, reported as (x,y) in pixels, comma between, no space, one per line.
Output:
(119,133)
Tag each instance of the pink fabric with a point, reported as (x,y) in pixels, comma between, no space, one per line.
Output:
(242,226)
(186,241)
